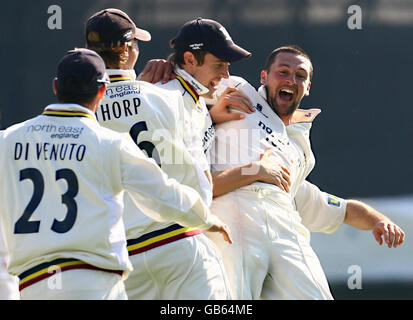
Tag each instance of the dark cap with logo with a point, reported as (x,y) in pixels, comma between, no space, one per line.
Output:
(210,36)
(80,73)
(110,26)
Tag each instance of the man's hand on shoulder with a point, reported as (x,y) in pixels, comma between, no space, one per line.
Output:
(157,70)
(230,97)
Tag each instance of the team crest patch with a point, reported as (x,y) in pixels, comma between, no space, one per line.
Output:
(333,201)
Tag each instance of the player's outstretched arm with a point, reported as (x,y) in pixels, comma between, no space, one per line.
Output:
(362,216)
(268,169)
(161,198)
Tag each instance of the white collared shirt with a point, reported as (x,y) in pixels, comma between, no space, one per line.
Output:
(246,139)
(61,189)
(198,126)
(199,87)
(151,115)
(241,142)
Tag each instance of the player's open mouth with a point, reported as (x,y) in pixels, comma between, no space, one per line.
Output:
(286,94)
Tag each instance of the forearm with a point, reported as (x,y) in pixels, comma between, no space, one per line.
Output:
(361,216)
(231,179)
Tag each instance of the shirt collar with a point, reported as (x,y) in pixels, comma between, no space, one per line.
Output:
(199,88)
(263,92)
(121,74)
(70,108)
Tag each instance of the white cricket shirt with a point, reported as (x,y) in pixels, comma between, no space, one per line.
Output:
(242,141)
(151,115)
(61,189)
(197,123)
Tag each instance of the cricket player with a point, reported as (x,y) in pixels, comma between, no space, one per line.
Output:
(170,261)
(271,243)
(62,192)
(319,211)
(203,50)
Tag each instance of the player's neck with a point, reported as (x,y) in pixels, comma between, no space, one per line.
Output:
(286,119)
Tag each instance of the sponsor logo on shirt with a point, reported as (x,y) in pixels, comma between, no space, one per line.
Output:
(258,107)
(209,135)
(333,201)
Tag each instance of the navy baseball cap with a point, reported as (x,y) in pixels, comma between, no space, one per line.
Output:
(111,26)
(80,73)
(210,36)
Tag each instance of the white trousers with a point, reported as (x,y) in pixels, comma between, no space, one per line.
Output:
(77,284)
(186,269)
(271,257)
(9,287)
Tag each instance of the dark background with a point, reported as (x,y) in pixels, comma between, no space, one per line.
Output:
(362,80)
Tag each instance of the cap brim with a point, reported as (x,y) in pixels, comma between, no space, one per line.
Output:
(232,53)
(142,35)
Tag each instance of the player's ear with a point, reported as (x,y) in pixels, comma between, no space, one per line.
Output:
(190,59)
(101,92)
(54,85)
(124,47)
(307,92)
(264,77)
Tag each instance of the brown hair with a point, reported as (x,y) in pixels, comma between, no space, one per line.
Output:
(289,49)
(177,58)
(112,54)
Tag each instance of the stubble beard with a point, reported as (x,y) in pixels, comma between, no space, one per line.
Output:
(275,107)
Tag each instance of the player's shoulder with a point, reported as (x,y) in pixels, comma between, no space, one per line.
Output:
(233,81)
(160,93)
(93,132)
(171,100)
(15,128)
(111,142)
(151,88)
(103,133)
(159,103)
(172,84)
